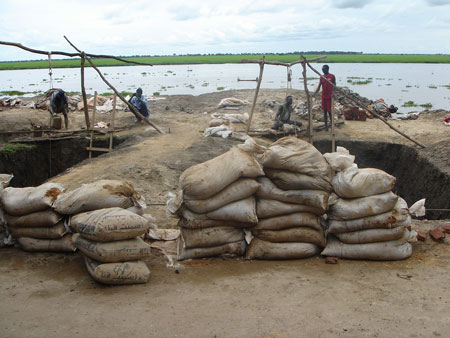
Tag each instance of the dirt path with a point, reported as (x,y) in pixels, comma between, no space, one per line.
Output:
(52,295)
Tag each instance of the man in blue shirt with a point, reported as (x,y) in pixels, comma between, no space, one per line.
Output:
(139,101)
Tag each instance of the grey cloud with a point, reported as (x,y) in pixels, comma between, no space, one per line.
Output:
(437,2)
(342,4)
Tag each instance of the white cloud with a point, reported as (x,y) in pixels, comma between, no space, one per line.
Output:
(227,26)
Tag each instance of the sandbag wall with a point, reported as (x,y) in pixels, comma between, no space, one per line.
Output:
(102,219)
(217,202)
(291,201)
(366,220)
(32,222)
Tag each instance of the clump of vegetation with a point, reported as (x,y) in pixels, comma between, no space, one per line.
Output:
(426,105)
(432,87)
(220,88)
(409,104)
(205,84)
(156,94)
(12,92)
(360,82)
(8,147)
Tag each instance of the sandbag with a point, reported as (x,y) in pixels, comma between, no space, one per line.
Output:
(293,154)
(299,234)
(54,232)
(238,190)
(209,237)
(206,179)
(382,251)
(298,219)
(24,201)
(44,218)
(340,160)
(288,180)
(314,198)
(97,195)
(270,208)
(354,182)
(230,249)
(239,211)
(109,224)
(110,252)
(119,273)
(345,209)
(371,235)
(208,223)
(63,244)
(259,249)
(387,220)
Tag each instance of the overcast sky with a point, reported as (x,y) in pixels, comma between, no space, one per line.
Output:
(161,27)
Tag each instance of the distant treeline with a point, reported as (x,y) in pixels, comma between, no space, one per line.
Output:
(331,57)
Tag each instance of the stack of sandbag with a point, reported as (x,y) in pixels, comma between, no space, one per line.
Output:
(290,202)
(366,219)
(216,202)
(5,237)
(32,222)
(110,240)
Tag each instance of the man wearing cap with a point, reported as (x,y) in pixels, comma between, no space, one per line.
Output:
(327,92)
(140,102)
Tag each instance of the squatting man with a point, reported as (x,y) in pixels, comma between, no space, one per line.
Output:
(284,114)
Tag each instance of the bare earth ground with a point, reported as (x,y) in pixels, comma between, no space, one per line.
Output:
(52,295)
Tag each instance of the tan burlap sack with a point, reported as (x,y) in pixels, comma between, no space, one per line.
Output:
(42,219)
(271,208)
(110,252)
(383,251)
(206,179)
(346,209)
(53,232)
(288,180)
(97,195)
(209,223)
(296,155)
(259,249)
(229,249)
(298,219)
(314,198)
(120,273)
(340,159)
(371,235)
(63,244)
(300,235)
(240,211)
(109,224)
(24,201)
(209,237)
(354,182)
(396,217)
(238,190)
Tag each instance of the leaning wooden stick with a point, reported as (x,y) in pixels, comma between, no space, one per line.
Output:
(37,51)
(132,107)
(358,102)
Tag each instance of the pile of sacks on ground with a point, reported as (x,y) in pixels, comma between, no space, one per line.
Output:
(101,219)
(366,220)
(280,202)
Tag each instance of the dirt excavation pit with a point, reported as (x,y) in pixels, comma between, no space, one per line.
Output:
(52,294)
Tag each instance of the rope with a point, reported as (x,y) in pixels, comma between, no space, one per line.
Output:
(50,71)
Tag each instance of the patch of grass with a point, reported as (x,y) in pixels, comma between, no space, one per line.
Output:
(8,147)
(409,104)
(205,84)
(432,87)
(12,92)
(426,105)
(220,88)
(156,93)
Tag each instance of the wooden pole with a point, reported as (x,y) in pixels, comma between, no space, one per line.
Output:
(333,131)
(83,92)
(358,102)
(132,107)
(113,116)
(91,139)
(261,69)
(308,100)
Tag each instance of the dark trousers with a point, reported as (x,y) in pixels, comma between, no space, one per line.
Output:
(144,111)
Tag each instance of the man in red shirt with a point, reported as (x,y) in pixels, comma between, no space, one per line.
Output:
(327,92)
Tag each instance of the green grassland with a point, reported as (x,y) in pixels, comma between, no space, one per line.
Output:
(232,58)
